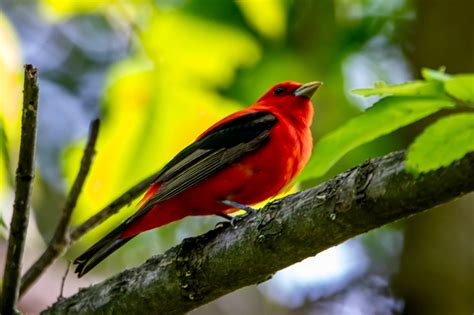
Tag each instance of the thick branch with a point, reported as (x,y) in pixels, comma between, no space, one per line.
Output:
(24,181)
(206,267)
(60,241)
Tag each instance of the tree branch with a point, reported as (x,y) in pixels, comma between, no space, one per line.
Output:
(24,181)
(284,232)
(112,208)
(60,241)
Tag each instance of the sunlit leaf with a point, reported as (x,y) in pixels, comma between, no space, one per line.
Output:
(123,10)
(10,100)
(5,167)
(434,75)
(268,17)
(191,48)
(441,143)
(414,88)
(384,117)
(69,7)
(461,87)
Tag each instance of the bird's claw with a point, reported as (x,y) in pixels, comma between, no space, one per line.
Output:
(249,210)
(222,224)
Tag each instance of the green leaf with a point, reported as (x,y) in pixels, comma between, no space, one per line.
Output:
(461,87)
(385,116)
(415,88)
(441,143)
(434,75)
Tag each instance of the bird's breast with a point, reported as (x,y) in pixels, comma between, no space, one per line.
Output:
(255,177)
(270,169)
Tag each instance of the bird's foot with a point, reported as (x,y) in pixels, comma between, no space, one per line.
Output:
(249,210)
(232,219)
(224,223)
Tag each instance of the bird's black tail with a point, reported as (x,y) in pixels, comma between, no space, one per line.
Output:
(100,250)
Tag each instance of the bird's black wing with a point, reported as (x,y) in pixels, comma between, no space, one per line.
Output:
(221,146)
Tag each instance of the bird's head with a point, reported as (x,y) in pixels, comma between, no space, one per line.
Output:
(291,98)
(290,91)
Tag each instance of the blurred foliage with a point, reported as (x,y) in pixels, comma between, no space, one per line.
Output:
(267,17)
(127,10)
(10,91)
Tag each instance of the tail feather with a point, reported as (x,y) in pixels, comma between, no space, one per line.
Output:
(100,250)
(117,238)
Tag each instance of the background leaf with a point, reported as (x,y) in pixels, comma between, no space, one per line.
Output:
(10,100)
(267,17)
(384,117)
(5,163)
(441,143)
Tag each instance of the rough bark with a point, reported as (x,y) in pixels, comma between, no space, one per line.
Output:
(225,259)
(23,185)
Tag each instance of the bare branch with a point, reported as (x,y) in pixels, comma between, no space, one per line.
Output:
(60,241)
(286,231)
(63,281)
(112,208)
(24,181)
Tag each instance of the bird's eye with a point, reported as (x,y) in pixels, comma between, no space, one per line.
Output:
(278,91)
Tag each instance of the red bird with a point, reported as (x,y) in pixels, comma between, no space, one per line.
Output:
(245,158)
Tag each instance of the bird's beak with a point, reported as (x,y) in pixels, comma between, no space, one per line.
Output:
(308,89)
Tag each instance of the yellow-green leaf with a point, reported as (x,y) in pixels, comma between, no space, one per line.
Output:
(267,17)
(434,75)
(10,100)
(384,117)
(441,143)
(415,88)
(461,87)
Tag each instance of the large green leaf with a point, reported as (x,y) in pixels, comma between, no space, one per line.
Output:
(384,117)
(461,87)
(441,143)
(415,88)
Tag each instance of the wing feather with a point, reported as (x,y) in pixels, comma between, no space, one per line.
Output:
(218,148)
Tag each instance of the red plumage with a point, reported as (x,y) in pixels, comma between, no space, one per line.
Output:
(247,157)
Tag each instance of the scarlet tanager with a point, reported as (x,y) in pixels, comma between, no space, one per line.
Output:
(243,159)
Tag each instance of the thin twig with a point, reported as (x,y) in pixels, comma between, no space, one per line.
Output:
(63,281)
(60,241)
(24,181)
(112,208)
